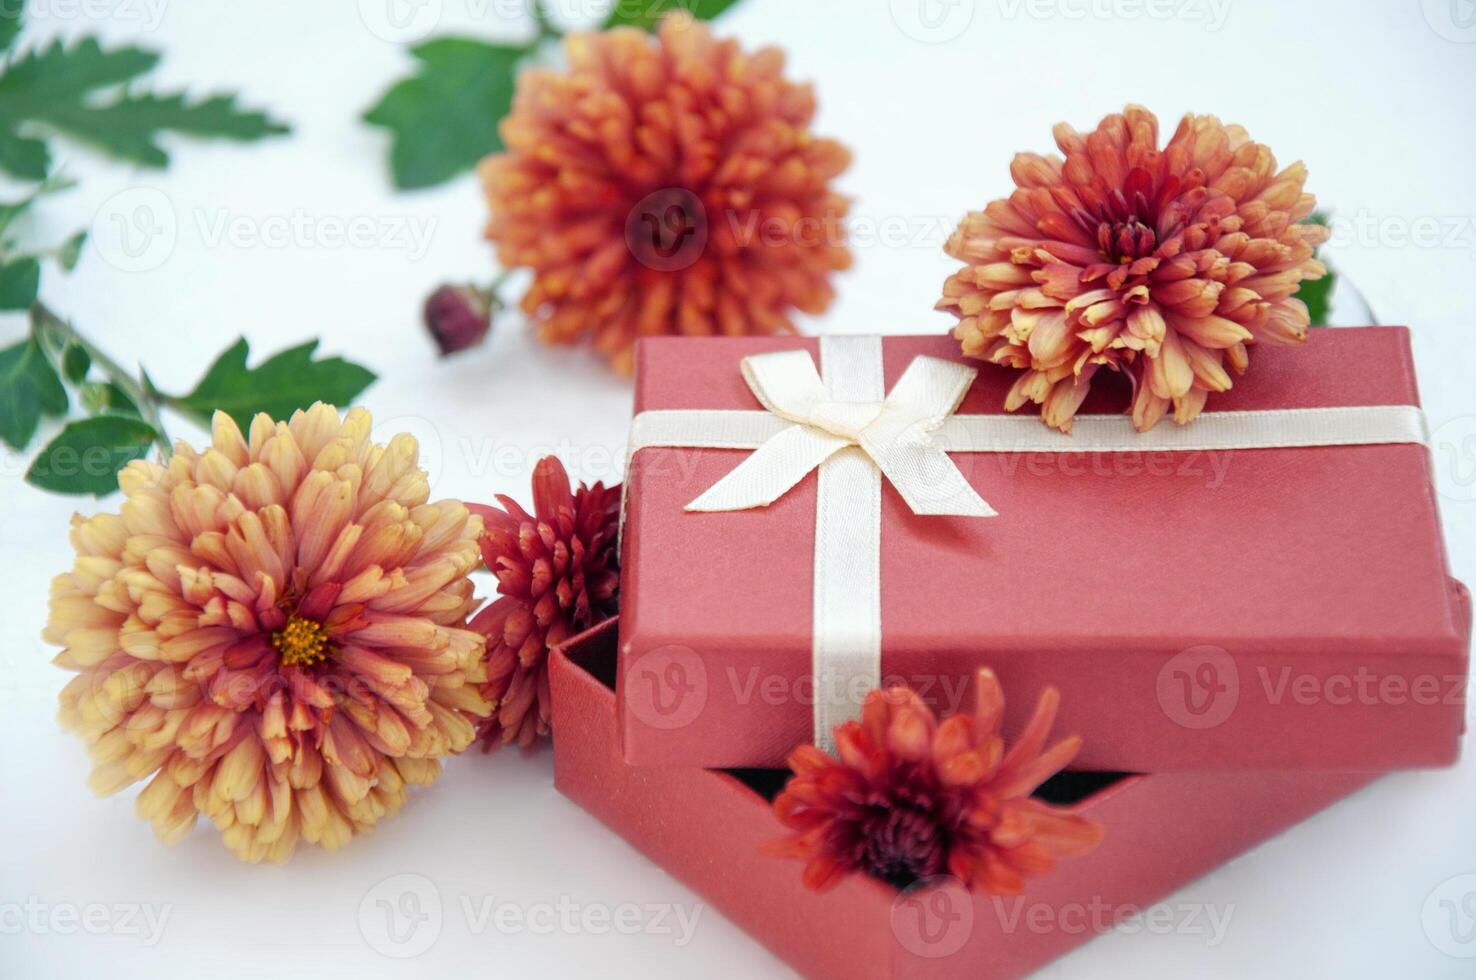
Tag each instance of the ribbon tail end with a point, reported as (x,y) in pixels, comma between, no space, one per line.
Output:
(978,507)
(702,505)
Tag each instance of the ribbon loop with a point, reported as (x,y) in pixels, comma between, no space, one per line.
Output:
(896,434)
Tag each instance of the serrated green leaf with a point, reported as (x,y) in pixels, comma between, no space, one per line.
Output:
(129,127)
(74,89)
(278,386)
(86,456)
(648,13)
(29,387)
(443,119)
(60,71)
(19,281)
(76,362)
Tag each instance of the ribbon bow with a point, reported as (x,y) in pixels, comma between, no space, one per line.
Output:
(896,434)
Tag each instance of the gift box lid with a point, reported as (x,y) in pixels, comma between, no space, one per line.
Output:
(1274,608)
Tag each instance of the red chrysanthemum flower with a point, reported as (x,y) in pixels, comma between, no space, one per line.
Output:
(911,797)
(1164,264)
(665,186)
(557,574)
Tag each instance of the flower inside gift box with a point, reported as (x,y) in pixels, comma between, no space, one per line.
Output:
(708,828)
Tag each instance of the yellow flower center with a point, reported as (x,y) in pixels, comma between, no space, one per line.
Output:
(302,642)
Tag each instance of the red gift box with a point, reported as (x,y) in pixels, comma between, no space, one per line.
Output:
(705,828)
(1261,609)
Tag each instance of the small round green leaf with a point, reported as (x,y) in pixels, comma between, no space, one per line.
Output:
(19,281)
(76,362)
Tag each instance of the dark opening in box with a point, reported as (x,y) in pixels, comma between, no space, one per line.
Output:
(1063,789)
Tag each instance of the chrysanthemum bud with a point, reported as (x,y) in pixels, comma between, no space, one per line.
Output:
(458,317)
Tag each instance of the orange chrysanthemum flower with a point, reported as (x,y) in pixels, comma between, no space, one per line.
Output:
(910,797)
(666,186)
(272,633)
(1161,263)
(557,574)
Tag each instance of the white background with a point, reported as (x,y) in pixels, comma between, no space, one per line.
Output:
(1377,97)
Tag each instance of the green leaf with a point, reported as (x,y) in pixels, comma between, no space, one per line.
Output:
(87,455)
(29,386)
(75,89)
(279,386)
(48,385)
(11,210)
(71,71)
(22,156)
(129,127)
(648,13)
(76,362)
(19,281)
(443,119)
(20,406)
(70,251)
(10,23)
(103,397)
(1317,293)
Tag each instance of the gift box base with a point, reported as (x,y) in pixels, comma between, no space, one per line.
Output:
(705,828)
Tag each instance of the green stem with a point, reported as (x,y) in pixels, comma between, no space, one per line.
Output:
(46,322)
(494,291)
(547,31)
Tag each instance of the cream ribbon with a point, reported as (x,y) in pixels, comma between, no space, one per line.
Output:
(854,432)
(895,433)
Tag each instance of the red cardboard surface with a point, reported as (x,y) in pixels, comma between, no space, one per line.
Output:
(705,828)
(1269,609)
